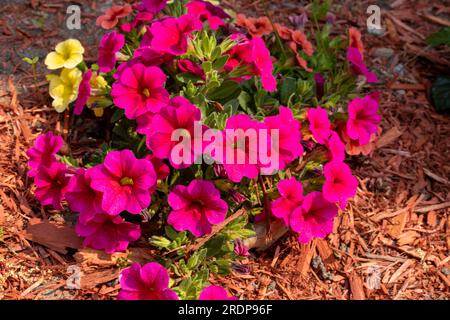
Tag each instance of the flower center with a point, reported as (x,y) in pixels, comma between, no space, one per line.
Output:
(199,202)
(126,181)
(146,92)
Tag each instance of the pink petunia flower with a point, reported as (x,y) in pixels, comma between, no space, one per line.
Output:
(179,114)
(152,6)
(254,54)
(240,155)
(240,249)
(51,183)
(149,282)
(188,66)
(84,92)
(108,233)
(340,184)
(171,34)
(140,18)
(291,192)
(314,219)
(110,44)
(140,89)
(363,118)
(208,11)
(124,181)
(215,293)
(81,197)
(289,144)
(43,152)
(335,147)
(356,59)
(196,207)
(162,170)
(319,124)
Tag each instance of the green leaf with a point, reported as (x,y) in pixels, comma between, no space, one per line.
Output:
(244,101)
(440,92)
(228,90)
(117,115)
(319,10)
(440,37)
(288,88)
(220,62)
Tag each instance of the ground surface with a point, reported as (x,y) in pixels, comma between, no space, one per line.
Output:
(392,242)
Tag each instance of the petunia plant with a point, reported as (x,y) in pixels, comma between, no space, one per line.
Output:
(218,125)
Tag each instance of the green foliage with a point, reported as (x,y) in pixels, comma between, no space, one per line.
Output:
(440,91)
(439,38)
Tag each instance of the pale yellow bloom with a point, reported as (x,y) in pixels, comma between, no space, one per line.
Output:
(67,54)
(64,88)
(97,101)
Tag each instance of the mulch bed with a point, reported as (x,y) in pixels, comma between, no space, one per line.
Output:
(392,242)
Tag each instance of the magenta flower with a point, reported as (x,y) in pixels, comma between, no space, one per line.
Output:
(187,66)
(240,155)
(149,282)
(171,34)
(108,233)
(140,89)
(140,18)
(356,59)
(263,64)
(215,293)
(153,6)
(196,207)
(240,249)
(335,147)
(290,147)
(319,124)
(314,219)
(81,197)
(340,184)
(162,170)
(43,152)
(143,122)
(179,114)
(84,92)
(291,197)
(124,181)
(51,183)
(208,11)
(110,44)
(254,54)
(363,118)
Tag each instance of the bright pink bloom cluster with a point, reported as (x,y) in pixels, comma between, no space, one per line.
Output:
(149,282)
(140,89)
(110,44)
(311,215)
(254,55)
(84,92)
(178,114)
(196,207)
(209,12)
(170,35)
(124,181)
(50,176)
(289,144)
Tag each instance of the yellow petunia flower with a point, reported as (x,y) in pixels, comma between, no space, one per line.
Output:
(64,88)
(67,54)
